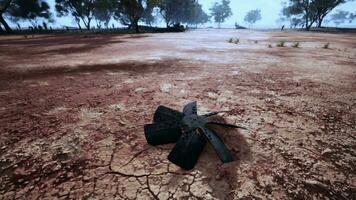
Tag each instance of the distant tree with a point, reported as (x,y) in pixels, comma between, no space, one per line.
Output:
(23,10)
(150,12)
(81,10)
(339,17)
(168,10)
(130,12)
(253,16)
(351,17)
(175,11)
(310,11)
(181,11)
(103,12)
(221,11)
(321,8)
(198,15)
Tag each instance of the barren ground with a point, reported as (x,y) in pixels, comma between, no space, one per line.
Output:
(72,110)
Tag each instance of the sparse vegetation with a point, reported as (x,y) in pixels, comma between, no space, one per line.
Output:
(296,45)
(270,46)
(326,46)
(281,44)
(234,40)
(256,41)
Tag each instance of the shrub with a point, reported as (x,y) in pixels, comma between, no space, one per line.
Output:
(256,41)
(269,45)
(233,40)
(296,45)
(326,46)
(281,44)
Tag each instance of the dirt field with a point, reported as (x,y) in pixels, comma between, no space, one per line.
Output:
(72,110)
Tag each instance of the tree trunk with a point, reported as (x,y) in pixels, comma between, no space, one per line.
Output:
(320,21)
(3,22)
(87,25)
(137,30)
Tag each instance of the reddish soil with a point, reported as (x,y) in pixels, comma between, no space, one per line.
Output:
(72,110)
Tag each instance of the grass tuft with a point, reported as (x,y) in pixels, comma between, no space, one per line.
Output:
(281,44)
(326,46)
(296,45)
(234,40)
(270,46)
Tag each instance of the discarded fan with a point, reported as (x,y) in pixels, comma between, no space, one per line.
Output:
(190,133)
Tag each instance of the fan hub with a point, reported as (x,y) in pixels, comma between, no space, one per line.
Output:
(192,122)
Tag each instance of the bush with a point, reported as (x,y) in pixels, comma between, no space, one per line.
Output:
(269,45)
(296,45)
(281,44)
(233,40)
(256,41)
(326,46)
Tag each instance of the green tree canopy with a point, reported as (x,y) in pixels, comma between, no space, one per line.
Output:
(221,11)
(23,10)
(81,10)
(310,11)
(253,16)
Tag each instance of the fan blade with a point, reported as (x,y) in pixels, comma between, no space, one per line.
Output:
(167,114)
(219,147)
(227,125)
(187,150)
(163,132)
(214,113)
(190,108)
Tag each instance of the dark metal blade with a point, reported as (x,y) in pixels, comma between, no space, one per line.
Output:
(190,108)
(187,150)
(219,147)
(227,125)
(167,114)
(162,132)
(214,113)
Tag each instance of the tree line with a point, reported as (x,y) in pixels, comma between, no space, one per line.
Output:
(309,13)
(84,12)
(299,13)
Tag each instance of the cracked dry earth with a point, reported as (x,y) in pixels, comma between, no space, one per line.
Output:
(72,110)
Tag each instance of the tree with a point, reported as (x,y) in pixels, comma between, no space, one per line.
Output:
(81,10)
(148,16)
(174,11)
(130,12)
(198,15)
(23,10)
(181,11)
(351,17)
(310,11)
(253,16)
(321,8)
(221,11)
(103,12)
(339,17)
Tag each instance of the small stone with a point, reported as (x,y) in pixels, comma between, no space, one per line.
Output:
(326,151)
(166,87)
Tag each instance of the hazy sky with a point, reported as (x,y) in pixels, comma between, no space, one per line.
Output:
(270,10)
